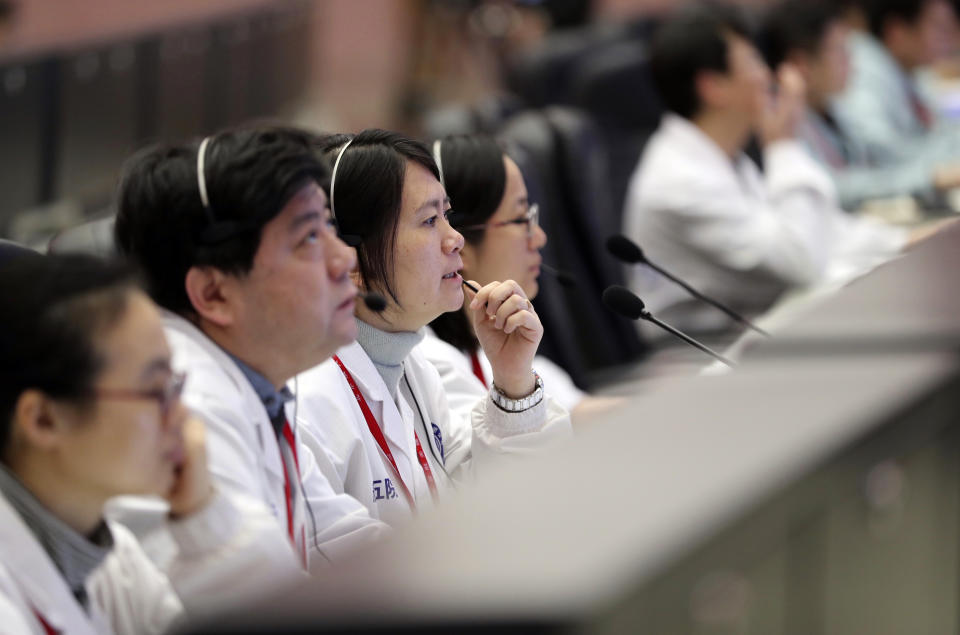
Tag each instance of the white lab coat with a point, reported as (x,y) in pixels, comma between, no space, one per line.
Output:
(127,593)
(455,445)
(244,457)
(735,234)
(230,552)
(463,388)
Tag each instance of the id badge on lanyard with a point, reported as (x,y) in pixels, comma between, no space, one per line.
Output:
(377,433)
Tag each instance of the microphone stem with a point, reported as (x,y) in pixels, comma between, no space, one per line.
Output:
(645,315)
(730,312)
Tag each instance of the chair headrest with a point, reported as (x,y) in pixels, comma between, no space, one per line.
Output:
(94,237)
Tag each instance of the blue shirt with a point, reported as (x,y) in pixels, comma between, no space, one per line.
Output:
(273,400)
(880,110)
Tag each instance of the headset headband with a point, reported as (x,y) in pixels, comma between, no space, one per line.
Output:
(201,176)
(333,175)
(351,239)
(215,231)
(438,161)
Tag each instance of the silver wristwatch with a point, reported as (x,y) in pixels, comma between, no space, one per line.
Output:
(518,405)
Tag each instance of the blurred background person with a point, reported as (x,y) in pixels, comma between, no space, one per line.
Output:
(701,208)
(882,109)
(812,35)
(234,239)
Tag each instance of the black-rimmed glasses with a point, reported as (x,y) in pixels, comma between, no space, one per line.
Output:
(531,219)
(165,397)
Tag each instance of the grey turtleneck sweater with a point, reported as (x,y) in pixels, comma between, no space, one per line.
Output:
(387,351)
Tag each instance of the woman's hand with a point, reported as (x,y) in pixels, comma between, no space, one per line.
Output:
(192,488)
(509,332)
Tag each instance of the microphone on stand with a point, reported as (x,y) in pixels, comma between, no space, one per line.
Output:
(625,302)
(625,250)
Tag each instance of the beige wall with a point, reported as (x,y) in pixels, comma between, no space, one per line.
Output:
(362,55)
(626,8)
(40,25)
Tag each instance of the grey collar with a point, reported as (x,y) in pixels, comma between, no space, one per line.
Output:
(387,351)
(74,555)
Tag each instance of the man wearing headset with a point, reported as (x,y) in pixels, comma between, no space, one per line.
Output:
(235,242)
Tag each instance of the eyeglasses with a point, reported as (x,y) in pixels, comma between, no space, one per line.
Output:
(531,219)
(165,397)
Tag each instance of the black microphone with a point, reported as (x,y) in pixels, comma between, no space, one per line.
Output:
(625,250)
(565,279)
(374,301)
(625,302)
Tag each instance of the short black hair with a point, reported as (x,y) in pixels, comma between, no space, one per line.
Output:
(796,25)
(63,303)
(475,179)
(880,12)
(690,42)
(251,173)
(367,195)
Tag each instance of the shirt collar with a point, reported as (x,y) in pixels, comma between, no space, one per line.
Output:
(273,400)
(74,555)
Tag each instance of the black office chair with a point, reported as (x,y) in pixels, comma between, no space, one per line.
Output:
(10,251)
(485,116)
(614,86)
(592,217)
(94,237)
(563,162)
(542,75)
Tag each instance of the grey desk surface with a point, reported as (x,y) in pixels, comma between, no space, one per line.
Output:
(562,534)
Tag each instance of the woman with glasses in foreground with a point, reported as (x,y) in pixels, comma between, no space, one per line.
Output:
(503,239)
(90,410)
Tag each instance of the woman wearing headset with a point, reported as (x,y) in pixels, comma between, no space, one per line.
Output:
(378,409)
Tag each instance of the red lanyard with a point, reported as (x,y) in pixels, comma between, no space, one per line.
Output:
(377,433)
(49,630)
(920,109)
(288,490)
(477,368)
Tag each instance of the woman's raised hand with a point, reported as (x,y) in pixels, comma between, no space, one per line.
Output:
(509,331)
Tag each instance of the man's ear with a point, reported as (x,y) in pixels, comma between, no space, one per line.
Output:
(37,421)
(212,294)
